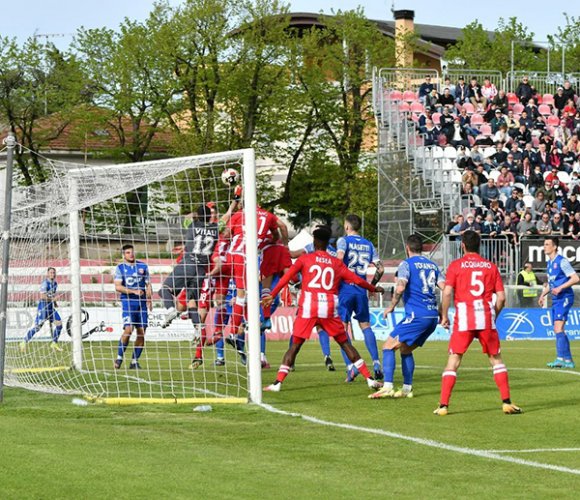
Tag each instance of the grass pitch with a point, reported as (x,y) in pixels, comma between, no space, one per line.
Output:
(52,449)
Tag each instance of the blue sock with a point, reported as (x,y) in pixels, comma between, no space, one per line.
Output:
(389,363)
(137,352)
(56,333)
(408,367)
(121,350)
(371,343)
(563,346)
(240,342)
(263,343)
(219,349)
(324,340)
(31,333)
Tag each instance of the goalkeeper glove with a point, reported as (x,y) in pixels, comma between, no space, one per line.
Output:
(237,193)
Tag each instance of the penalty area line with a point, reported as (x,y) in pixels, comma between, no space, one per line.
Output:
(424,442)
(536,450)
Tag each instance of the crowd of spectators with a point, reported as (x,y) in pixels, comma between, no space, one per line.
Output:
(518,153)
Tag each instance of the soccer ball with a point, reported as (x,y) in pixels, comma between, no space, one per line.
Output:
(230,176)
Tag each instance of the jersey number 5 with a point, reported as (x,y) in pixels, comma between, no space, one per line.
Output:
(477,286)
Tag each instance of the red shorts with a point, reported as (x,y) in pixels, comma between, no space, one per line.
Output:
(333,326)
(182,298)
(204,300)
(222,283)
(275,260)
(235,266)
(489,340)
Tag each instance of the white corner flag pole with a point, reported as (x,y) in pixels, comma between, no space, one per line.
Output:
(10,142)
(252,272)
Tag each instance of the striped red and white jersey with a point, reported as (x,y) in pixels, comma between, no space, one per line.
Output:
(475,280)
(267,225)
(321,278)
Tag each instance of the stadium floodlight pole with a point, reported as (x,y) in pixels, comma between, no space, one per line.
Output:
(252,273)
(10,143)
(75,276)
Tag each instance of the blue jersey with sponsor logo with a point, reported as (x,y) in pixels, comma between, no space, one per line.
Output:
(420,295)
(49,288)
(359,253)
(559,270)
(133,276)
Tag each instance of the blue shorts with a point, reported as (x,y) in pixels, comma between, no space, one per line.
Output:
(414,331)
(357,303)
(46,314)
(561,307)
(134,313)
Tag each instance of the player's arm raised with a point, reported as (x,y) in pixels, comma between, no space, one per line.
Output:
(380,270)
(290,275)
(283,228)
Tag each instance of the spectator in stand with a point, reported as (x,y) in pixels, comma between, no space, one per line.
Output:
(469,176)
(524,91)
(431,134)
(526,120)
(497,121)
(574,183)
(539,204)
(569,109)
(517,156)
(514,203)
(544,157)
(465,121)
(461,92)
(446,121)
(488,90)
(561,194)
(544,225)
(432,101)
(548,191)
(574,143)
(557,225)
(489,192)
(513,125)
(505,181)
(447,99)
(448,85)
(470,224)
(562,134)
(463,161)
(568,91)
(573,227)
(526,226)
(467,192)
(509,228)
(548,141)
(539,126)
(425,89)
(481,174)
(423,117)
(500,101)
(456,135)
(501,136)
(532,109)
(476,154)
(495,209)
(500,156)
(490,227)
(535,180)
(514,168)
(572,204)
(560,100)
(475,95)
(576,123)
(556,158)
(523,136)
(552,176)
(456,227)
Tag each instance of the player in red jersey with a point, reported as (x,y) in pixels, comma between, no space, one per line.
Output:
(321,277)
(473,280)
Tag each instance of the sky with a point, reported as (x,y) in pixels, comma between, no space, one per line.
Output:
(64,17)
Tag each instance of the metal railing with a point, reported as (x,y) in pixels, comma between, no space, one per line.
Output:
(495,77)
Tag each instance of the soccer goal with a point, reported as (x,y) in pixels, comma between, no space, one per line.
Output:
(71,231)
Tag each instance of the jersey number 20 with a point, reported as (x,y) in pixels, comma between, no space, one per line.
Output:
(323,278)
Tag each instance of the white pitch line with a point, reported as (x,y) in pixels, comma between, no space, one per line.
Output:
(424,442)
(536,450)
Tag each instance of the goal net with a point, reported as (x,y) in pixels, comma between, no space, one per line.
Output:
(67,263)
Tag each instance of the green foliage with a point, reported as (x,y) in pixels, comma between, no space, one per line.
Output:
(569,37)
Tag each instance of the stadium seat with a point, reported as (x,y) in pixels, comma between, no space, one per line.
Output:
(544,110)
(518,108)
(546,173)
(417,108)
(494,174)
(414,117)
(539,99)
(512,98)
(395,95)
(564,177)
(521,186)
(436,117)
(404,107)
(550,130)
(553,120)
(548,99)
(450,153)
(485,130)
(488,152)
(437,152)
(528,200)
(477,120)
(502,198)
(469,108)
(409,96)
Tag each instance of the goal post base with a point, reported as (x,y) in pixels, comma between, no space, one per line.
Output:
(40,369)
(125,401)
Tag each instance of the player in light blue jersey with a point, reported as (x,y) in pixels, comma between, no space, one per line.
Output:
(323,337)
(133,283)
(561,277)
(46,311)
(358,254)
(417,281)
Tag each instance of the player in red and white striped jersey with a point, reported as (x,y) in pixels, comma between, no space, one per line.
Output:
(474,281)
(318,304)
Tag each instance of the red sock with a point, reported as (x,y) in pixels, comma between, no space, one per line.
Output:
(198,350)
(447,383)
(237,315)
(500,376)
(361,366)
(268,309)
(282,373)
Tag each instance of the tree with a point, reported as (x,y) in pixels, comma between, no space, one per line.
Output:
(568,37)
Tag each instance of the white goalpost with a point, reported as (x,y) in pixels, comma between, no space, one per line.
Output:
(77,223)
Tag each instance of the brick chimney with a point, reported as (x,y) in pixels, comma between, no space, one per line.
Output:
(404,26)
